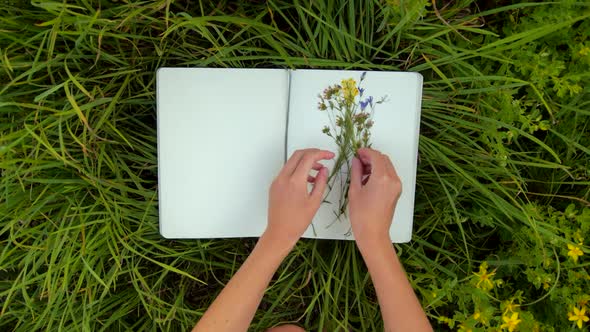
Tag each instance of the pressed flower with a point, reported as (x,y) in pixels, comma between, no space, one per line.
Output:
(574,252)
(349,89)
(578,316)
(511,322)
(364,104)
(349,126)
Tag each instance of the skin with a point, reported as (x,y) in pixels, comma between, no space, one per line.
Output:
(374,191)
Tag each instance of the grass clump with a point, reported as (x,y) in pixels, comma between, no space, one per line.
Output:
(503,179)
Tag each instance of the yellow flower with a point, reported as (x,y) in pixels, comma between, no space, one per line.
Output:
(484,278)
(349,89)
(511,322)
(476,315)
(578,316)
(463,328)
(574,252)
(510,306)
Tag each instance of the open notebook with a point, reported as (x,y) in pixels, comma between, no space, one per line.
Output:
(223,135)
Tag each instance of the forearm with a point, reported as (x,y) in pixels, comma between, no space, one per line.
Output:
(400,307)
(236,305)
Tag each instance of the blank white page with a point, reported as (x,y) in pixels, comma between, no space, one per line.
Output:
(394,133)
(221,140)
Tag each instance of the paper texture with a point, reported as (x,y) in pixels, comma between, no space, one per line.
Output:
(395,133)
(221,139)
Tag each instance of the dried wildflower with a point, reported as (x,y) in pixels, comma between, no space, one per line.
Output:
(366,102)
(349,90)
(360,118)
(350,123)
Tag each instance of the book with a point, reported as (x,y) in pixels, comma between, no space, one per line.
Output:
(224,134)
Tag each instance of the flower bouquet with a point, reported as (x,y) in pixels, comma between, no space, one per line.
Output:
(350,114)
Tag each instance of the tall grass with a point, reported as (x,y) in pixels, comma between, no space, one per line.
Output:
(80,248)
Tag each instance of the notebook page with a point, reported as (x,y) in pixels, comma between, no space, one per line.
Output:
(394,133)
(221,140)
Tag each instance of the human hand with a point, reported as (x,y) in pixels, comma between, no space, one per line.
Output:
(291,207)
(373,194)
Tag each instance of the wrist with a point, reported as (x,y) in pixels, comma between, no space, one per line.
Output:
(371,243)
(276,241)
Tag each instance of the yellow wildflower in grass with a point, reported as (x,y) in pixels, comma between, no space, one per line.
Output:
(349,90)
(511,322)
(511,306)
(479,317)
(578,316)
(484,278)
(463,328)
(574,252)
(476,315)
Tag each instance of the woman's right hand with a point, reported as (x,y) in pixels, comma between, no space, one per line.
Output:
(373,194)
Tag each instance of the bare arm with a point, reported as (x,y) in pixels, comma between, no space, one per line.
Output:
(291,209)
(374,191)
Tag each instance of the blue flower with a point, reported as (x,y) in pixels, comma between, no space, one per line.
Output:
(363,75)
(366,102)
(361,90)
(364,105)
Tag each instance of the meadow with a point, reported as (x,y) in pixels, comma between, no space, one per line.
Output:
(502,216)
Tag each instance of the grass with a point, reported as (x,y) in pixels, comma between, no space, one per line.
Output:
(80,248)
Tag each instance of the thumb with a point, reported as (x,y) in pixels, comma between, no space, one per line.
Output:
(356,174)
(321,180)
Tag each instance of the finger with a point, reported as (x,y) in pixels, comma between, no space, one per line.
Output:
(321,180)
(309,158)
(365,179)
(317,166)
(356,174)
(291,164)
(390,168)
(372,158)
(366,168)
